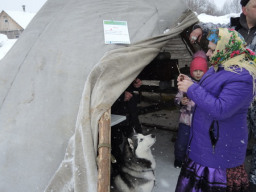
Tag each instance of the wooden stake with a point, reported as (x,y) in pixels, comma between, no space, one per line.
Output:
(104,153)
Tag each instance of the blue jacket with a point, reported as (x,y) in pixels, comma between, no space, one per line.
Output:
(222,96)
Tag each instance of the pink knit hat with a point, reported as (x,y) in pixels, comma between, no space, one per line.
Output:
(199,62)
(200,54)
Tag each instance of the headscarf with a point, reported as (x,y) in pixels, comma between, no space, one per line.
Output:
(213,36)
(231,52)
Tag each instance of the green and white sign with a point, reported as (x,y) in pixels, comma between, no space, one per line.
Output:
(116,32)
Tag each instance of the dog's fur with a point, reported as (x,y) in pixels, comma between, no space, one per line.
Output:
(137,170)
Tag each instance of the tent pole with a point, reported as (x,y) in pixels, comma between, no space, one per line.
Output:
(104,151)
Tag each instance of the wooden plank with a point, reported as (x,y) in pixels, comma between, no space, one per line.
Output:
(104,151)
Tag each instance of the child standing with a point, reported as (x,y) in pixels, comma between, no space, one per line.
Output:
(198,67)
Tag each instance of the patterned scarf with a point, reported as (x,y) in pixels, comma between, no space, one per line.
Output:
(231,52)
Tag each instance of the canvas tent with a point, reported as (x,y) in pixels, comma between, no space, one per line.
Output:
(60,77)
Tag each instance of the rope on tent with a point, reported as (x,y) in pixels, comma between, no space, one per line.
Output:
(104,145)
(104,151)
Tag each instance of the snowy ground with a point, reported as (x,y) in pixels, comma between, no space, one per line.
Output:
(162,123)
(163,150)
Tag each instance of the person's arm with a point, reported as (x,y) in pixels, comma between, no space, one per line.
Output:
(134,86)
(227,103)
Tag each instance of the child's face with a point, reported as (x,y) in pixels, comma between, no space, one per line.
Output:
(198,74)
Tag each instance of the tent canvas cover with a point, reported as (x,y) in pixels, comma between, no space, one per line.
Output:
(60,77)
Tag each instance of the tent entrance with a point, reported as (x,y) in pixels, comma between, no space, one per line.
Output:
(155,105)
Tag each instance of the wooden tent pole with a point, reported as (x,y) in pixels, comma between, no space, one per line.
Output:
(104,152)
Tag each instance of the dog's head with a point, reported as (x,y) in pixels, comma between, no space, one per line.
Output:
(140,144)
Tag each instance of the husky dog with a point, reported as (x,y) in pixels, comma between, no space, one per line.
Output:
(137,170)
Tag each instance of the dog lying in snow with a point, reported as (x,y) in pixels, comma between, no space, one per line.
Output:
(137,169)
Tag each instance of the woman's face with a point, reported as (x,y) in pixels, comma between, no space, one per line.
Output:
(211,49)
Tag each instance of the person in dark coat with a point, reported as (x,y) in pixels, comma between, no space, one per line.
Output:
(125,105)
(252,126)
(246,26)
(219,133)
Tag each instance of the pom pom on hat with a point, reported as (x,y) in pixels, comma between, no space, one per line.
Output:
(244,2)
(199,62)
(200,54)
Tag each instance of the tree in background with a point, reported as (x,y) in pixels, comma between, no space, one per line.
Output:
(233,7)
(210,8)
(203,6)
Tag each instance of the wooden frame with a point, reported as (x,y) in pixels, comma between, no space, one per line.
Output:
(104,152)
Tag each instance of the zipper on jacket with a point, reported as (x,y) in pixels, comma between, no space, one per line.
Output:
(214,139)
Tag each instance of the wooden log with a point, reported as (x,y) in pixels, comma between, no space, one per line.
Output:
(104,153)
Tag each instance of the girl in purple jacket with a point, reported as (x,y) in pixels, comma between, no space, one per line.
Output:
(219,133)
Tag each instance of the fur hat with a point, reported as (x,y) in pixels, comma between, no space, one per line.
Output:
(244,2)
(199,62)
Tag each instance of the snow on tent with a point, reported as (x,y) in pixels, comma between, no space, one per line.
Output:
(60,78)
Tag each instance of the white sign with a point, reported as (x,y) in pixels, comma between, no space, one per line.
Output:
(116,32)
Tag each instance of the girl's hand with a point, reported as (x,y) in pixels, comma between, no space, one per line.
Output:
(184,85)
(184,101)
(181,77)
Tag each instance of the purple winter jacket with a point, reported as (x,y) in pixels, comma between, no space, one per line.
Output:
(222,96)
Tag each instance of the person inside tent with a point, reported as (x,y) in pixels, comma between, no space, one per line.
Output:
(125,105)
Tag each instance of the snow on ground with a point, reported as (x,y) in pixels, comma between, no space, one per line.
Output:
(5,45)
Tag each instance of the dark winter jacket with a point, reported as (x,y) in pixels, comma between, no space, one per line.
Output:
(239,24)
(222,96)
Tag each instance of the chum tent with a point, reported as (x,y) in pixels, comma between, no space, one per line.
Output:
(60,77)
